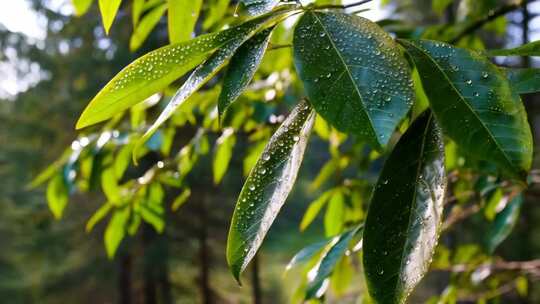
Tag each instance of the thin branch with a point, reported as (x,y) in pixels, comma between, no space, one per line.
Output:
(460,215)
(279,46)
(473,27)
(330,6)
(530,267)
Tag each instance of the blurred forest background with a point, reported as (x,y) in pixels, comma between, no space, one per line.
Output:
(46,81)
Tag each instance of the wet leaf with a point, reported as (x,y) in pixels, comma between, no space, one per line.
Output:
(353,73)
(145,26)
(267,187)
(257,7)
(474,104)
(504,223)
(108,9)
(182,16)
(81,6)
(404,216)
(57,195)
(529,49)
(524,81)
(241,69)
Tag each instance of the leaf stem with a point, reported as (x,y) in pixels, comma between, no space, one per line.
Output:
(328,6)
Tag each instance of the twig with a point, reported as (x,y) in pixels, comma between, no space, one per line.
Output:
(458,216)
(531,266)
(279,46)
(473,27)
(342,6)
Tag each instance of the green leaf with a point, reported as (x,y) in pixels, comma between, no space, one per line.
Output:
(145,26)
(529,49)
(524,81)
(153,218)
(216,12)
(504,223)
(51,170)
(404,216)
(439,6)
(181,199)
(57,195)
(136,11)
(182,16)
(100,214)
(109,185)
(209,68)
(474,104)
(306,254)
(81,6)
(354,74)
(242,68)
(223,154)
(314,209)
(116,230)
(108,9)
(154,71)
(333,218)
(329,259)
(258,7)
(267,187)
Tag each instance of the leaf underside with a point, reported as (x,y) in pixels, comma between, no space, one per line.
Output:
(404,217)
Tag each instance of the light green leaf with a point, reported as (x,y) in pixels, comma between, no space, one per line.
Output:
(504,223)
(108,9)
(223,153)
(136,11)
(242,68)
(81,6)
(145,26)
(404,217)
(99,215)
(116,230)
(475,105)
(354,74)
(181,199)
(529,49)
(109,185)
(314,209)
(153,218)
(51,170)
(335,212)
(524,81)
(254,152)
(267,187)
(216,12)
(57,195)
(439,6)
(183,16)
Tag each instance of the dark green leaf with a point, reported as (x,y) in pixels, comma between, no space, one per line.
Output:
(267,187)
(108,9)
(524,81)
(504,223)
(529,49)
(147,24)
(404,217)
(241,69)
(474,104)
(354,74)
(57,195)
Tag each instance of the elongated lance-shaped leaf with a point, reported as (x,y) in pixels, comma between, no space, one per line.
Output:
(475,105)
(81,6)
(504,223)
(156,70)
(257,7)
(108,9)
(354,74)
(145,27)
(241,69)
(529,49)
(267,187)
(207,70)
(404,216)
(182,16)
(524,81)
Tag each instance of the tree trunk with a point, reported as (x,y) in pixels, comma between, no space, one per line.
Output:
(124,279)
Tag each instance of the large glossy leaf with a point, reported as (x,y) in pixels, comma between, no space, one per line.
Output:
(267,187)
(353,73)
(524,81)
(474,104)
(504,223)
(257,7)
(529,49)
(108,9)
(404,216)
(182,16)
(145,26)
(156,70)
(241,69)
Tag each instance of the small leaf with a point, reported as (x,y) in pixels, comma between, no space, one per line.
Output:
(404,216)
(100,214)
(267,187)
(242,68)
(529,49)
(257,7)
(183,16)
(504,223)
(223,154)
(333,218)
(153,218)
(524,81)
(136,11)
(145,26)
(181,199)
(57,195)
(216,13)
(108,9)
(474,104)
(116,230)
(306,254)
(354,74)
(81,6)
(314,209)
